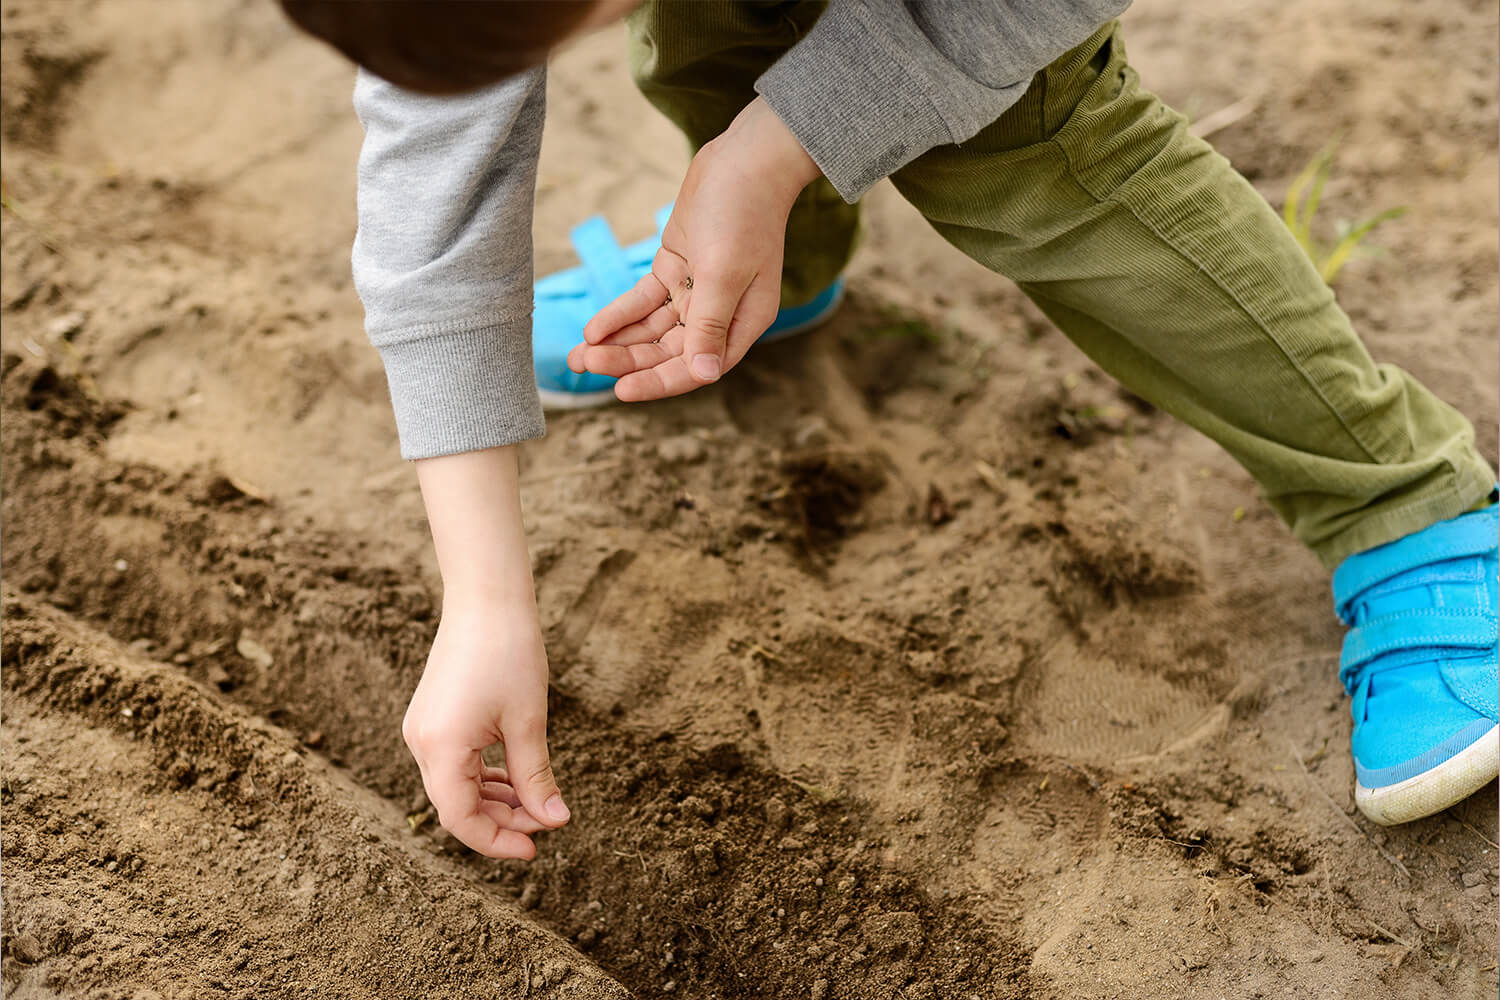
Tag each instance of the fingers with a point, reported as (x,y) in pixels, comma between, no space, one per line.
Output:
(480,832)
(669,373)
(608,359)
(495,791)
(530,769)
(658,326)
(669,378)
(507,818)
(490,827)
(716,296)
(668,272)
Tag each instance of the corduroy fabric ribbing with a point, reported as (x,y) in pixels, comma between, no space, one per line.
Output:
(1160,262)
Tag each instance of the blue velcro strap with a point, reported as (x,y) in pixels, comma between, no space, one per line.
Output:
(1468,535)
(603,260)
(1421,628)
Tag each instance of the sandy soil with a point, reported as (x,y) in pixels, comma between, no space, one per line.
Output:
(913,661)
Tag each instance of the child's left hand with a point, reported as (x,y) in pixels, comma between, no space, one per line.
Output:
(720,261)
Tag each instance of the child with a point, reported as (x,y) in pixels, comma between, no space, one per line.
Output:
(1020,132)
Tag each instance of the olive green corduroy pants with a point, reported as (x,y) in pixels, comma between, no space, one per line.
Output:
(1147,249)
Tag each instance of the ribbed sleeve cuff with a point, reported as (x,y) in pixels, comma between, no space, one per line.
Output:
(463,391)
(851,102)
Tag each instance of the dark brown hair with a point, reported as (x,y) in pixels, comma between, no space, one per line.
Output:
(441,46)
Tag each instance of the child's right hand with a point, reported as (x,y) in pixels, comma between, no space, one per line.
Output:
(486,682)
(486,677)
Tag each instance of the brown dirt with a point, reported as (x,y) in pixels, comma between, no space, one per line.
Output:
(900,665)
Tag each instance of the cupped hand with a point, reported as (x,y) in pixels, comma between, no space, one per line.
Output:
(715,285)
(486,682)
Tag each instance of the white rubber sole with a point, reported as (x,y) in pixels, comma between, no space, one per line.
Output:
(1452,781)
(555,399)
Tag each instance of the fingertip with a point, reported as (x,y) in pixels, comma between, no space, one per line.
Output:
(594,331)
(556,809)
(511,844)
(707,367)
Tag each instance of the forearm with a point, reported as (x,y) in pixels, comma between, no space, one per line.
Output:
(473,504)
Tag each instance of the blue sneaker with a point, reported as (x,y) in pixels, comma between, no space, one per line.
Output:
(567,300)
(1420,662)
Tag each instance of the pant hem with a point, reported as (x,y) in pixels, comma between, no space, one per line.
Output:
(1471,483)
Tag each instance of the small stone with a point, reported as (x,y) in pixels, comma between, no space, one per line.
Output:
(555,971)
(530,896)
(67,326)
(587,938)
(696,806)
(682,449)
(703,858)
(26,949)
(812,432)
(1471,879)
(669,986)
(254,651)
(314,739)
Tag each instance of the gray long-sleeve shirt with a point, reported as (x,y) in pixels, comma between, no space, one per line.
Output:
(442,260)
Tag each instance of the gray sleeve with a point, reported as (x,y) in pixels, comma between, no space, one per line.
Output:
(877,83)
(442,259)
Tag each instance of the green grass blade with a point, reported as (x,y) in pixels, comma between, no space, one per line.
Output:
(1345,247)
(1315,197)
(1294,196)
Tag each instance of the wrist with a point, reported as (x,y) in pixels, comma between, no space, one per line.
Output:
(474,510)
(760,139)
(483,603)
